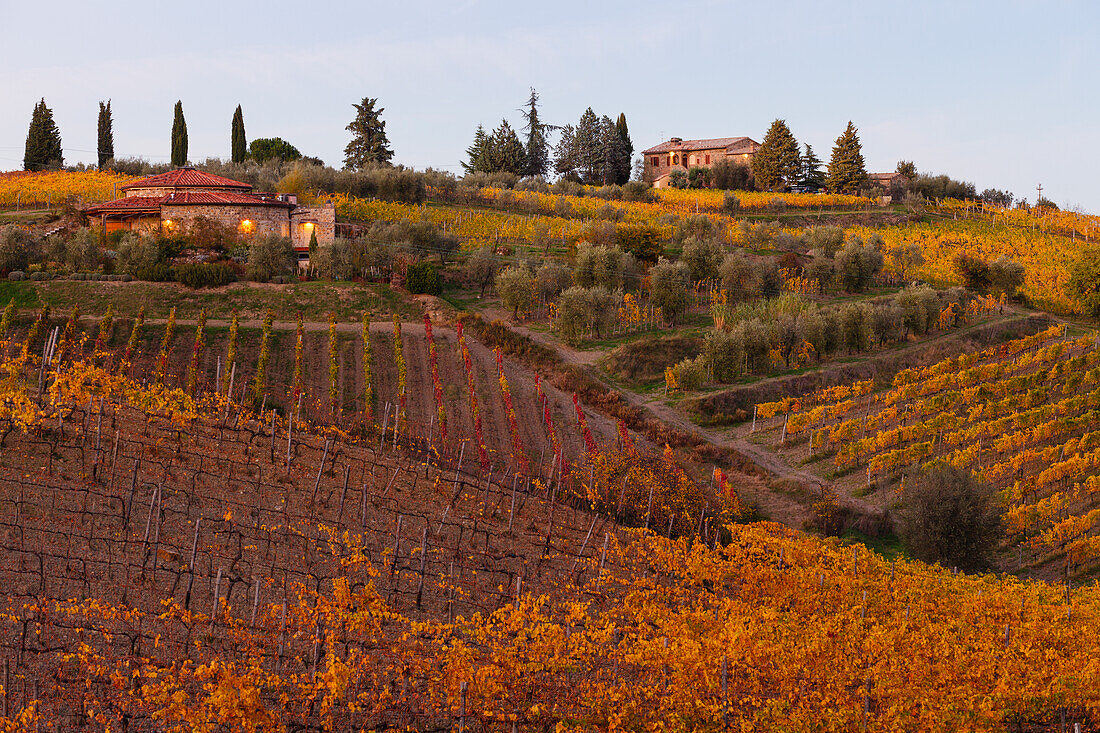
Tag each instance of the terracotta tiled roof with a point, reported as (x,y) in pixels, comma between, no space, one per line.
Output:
(130,203)
(186,178)
(191,198)
(152,204)
(712,143)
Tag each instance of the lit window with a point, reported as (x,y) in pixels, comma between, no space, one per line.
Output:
(246,225)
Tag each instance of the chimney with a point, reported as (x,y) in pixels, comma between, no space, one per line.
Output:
(676,140)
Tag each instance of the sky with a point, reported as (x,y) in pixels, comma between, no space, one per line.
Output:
(1001,94)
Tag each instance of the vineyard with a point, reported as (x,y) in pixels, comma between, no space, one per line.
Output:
(528,216)
(1046,257)
(34,190)
(1021,415)
(191,563)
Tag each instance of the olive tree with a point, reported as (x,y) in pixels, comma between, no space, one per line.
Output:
(515,288)
(703,256)
(948,516)
(669,283)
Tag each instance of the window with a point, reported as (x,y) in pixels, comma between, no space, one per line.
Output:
(668,160)
(656,161)
(676,160)
(708,160)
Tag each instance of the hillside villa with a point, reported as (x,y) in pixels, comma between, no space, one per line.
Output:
(679,155)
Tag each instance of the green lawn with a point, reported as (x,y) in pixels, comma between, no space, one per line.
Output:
(315,300)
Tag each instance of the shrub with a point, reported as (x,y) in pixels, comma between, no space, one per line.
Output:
(731,205)
(638,191)
(80,252)
(270,256)
(698,177)
(691,373)
(203,275)
(972,270)
(155,273)
(825,241)
(17,249)
(641,240)
(724,354)
(136,252)
(731,176)
(17,275)
(1084,280)
(423,277)
(948,516)
(1005,276)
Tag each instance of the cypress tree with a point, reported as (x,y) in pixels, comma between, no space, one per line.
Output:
(43,149)
(537,149)
(614,156)
(847,173)
(105,145)
(628,146)
(239,147)
(778,163)
(179,137)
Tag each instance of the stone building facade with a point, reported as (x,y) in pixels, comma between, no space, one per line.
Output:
(171,201)
(681,155)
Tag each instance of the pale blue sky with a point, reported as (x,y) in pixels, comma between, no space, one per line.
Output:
(1002,94)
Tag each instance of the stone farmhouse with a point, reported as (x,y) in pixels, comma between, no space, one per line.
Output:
(170,201)
(680,155)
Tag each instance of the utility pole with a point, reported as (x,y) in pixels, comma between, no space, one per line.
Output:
(1040,200)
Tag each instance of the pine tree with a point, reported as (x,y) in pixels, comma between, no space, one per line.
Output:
(369,144)
(238,143)
(43,149)
(777,164)
(812,175)
(179,137)
(624,134)
(506,152)
(847,173)
(536,146)
(478,153)
(105,146)
(565,154)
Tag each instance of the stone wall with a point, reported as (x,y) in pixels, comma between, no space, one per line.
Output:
(245,219)
(136,224)
(304,220)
